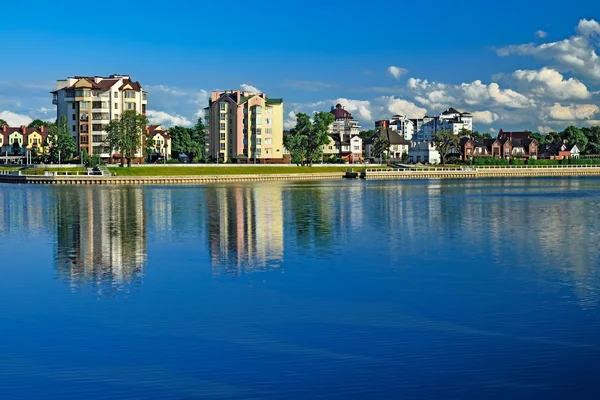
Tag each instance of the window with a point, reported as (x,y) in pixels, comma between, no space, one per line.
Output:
(116,106)
(230,121)
(244,141)
(73,106)
(84,105)
(222,136)
(73,117)
(97,138)
(268,141)
(269,110)
(258,141)
(268,121)
(267,151)
(84,139)
(83,128)
(222,117)
(258,131)
(245,131)
(257,120)
(115,95)
(356,148)
(130,106)
(245,111)
(257,110)
(129,95)
(74,128)
(222,126)
(222,106)
(257,152)
(268,131)
(244,121)
(222,146)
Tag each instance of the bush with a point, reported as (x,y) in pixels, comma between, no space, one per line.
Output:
(583,161)
(489,161)
(533,161)
(517,161)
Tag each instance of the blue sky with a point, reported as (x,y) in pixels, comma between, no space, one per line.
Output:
(517,65)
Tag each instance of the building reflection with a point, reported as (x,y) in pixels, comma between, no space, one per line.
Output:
(245,228)
(101,238)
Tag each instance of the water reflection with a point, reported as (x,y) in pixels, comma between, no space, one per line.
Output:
(245,228)
(101,238)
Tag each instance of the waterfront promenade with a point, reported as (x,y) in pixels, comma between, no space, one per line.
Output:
(363,173)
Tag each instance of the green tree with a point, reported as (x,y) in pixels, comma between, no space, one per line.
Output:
(36,123)
(3,123)
(593,135)
(446,143)
(537,136)
(574,135)
(486,136)
(60,143)
(197,149)
(552,137)
(181,139)
(364,135)
(381,147)
(305,141)
(125,134)
(466,132)
(148,145)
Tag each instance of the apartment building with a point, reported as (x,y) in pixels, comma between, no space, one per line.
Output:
(244,127)
(424,129)
(90,103)
(344,139)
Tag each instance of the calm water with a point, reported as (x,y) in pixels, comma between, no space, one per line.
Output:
(421,289)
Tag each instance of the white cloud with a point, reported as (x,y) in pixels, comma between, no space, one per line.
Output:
(485,117)
(167,120)
(396,72)
(360,107)
(14,119)
(477,92)
(541,34)
(249,88)
(576,53)
(544,129)
(552,84)
(398,106)
(290,122)
(572,112)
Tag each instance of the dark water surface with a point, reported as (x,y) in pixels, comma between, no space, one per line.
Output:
(420,289)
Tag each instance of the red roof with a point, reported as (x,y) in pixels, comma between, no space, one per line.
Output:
(339,112)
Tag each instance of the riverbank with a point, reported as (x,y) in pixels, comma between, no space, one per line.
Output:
(167,170)
(189,176)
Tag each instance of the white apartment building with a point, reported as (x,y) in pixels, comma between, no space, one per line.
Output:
(90,103)
(421,129)
(344,139)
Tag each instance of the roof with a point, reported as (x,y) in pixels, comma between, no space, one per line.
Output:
(451,111)
(552,149)
(339,112)
(274,101)
(391,135)
(514,135)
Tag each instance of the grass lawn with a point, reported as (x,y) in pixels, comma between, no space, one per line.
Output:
(41,171)
(233,170)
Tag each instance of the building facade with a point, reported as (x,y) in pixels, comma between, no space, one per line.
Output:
(398,144)
(244,127)
(423,152)
(16,142)
(344,139)
(90,103)
(507,145)
(162,142)
(424,129)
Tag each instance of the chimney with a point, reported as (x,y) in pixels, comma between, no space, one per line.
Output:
(564,141)
(4,128)
(23,129)
(42,129)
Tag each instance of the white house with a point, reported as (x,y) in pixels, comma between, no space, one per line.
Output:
(423,152)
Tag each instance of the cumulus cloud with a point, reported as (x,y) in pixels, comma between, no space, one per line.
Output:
(576,53)
(477,92)
(572,112)
(399,106)
(249,88)
(541,34)
(14,119)
(544,129)
(485,117)
(360,107)
(290,121)
(551,83)
(396,72)
(165,119)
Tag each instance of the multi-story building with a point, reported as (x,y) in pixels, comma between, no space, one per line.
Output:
(90,103)
(244,127)
(162,142)
(344,139)
(424,129)
(398,144)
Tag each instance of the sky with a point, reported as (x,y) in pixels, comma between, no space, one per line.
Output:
(515,65)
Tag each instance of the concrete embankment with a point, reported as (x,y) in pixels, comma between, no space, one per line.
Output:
(439,173)
(160,180)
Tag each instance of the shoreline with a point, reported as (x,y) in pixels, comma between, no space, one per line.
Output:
(368,175)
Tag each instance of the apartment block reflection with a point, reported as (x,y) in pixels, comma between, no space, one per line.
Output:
(245,226)
(101,235)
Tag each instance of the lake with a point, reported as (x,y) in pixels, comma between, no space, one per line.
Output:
(330,289)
